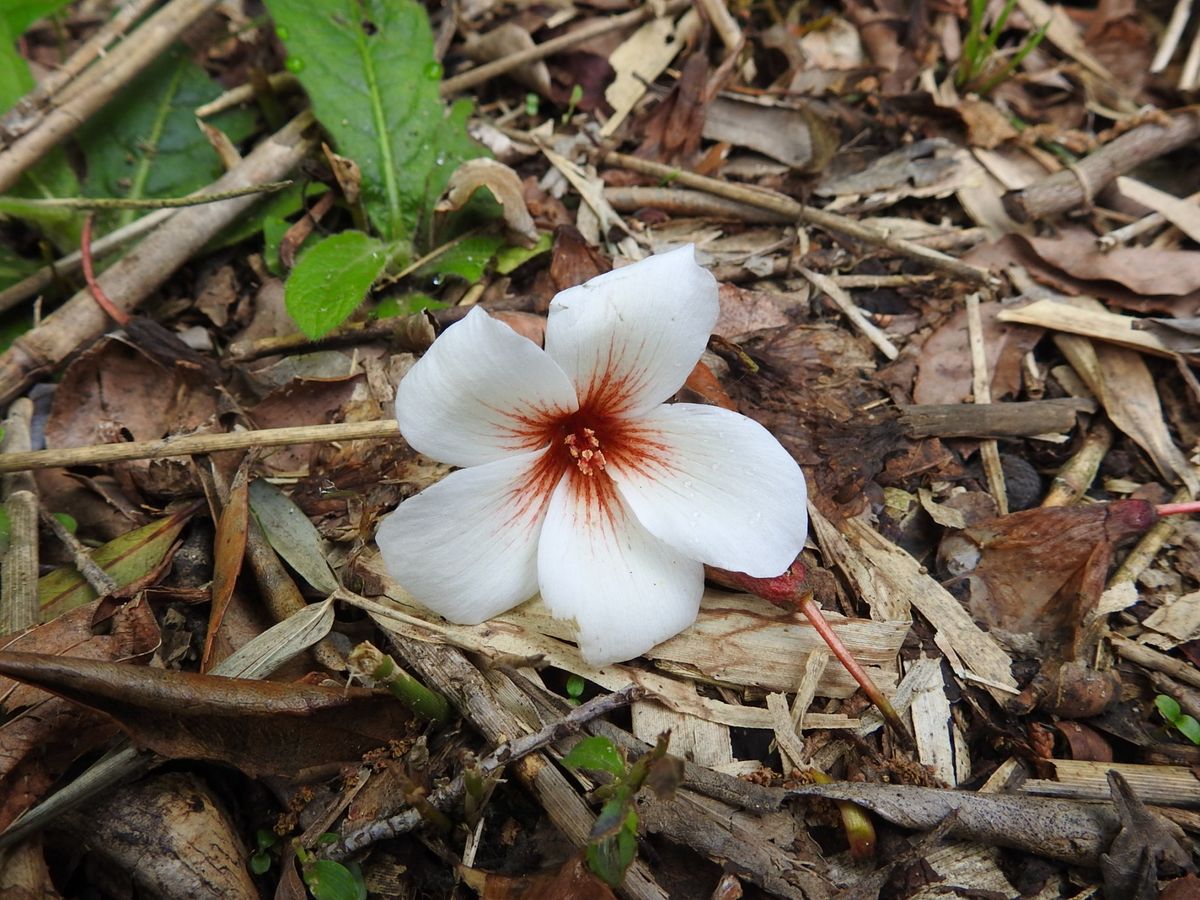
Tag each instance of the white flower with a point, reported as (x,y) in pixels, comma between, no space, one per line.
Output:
(578,480)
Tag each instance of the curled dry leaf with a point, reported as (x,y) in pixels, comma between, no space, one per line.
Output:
(503,184)
(1145,844)
(262,728)
(1146,270)
(505,40)
(571,879)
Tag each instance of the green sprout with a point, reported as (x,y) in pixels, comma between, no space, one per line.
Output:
(979,49)
(1168,708)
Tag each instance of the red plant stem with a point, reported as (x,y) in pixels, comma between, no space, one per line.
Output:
(817,619)
(113,311)
(1178,509)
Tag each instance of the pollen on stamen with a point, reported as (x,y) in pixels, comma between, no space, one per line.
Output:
(589,459)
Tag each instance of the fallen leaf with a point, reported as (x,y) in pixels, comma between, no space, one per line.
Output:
(502,41)
(292,534)
(131,559)
(259,727)
(795,135)
(1146,270)
(1085,743)
(502,183)
(1144,843)
(228,554)
(42,734)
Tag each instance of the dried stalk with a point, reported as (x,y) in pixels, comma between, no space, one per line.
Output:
(1147,547)
(19,607)
(798,212)
(1078,472)
(100,581)
(134,277)
(192,444)
(104,79)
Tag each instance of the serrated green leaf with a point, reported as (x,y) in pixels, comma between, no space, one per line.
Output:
(596,753)
(20,14)
(331,279)
(510,258)
(146,143)
(368,68)
(1168,707)
(329,880)
(292,534)
(467,259)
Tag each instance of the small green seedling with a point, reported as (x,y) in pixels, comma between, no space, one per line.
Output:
(612,844)
(329,880)
(979,49)
(266,841)
(1168,708)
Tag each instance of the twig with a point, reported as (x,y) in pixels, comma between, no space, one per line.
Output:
(989,450)
(19,608)
(488,71)
(447,797)
(104,79)
(244,93)
(798,212)
(1190,74)
(1127,233)
(101,582)
(133,278)
(191,444)
(1147,547)
(146,203)
(1071,187)
(681,203)
(1153,659)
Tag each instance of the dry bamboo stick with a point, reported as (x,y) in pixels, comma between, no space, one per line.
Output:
(191,444)
(133,278)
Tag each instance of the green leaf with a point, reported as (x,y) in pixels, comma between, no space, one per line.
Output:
(15,79)
(389,307)
(596,753)
(20,14)
(329,880)
(610,857)
(292,534)
(575,686)
(1189,728)
(1168,707)
(331,279)
(513,256)
(146,143)
(14,268)
(369,70)
(466,259)
(68,522)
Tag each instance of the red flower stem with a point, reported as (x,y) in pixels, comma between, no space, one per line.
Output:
(817,619)
(102,299)
(1178,509)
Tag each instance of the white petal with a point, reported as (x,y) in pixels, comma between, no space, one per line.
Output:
(482,392)
(630,338)
(625,590)
(467,546)
(717,486)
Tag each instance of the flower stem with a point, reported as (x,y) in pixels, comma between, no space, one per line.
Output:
(1178,509)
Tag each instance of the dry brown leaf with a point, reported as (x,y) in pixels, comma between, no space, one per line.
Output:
(1144,843)
(1145,270)
(42,734)
(505,40)
(228,554)
(797,136)
(944,366)
(257,726)
(502,183)
(744,310)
